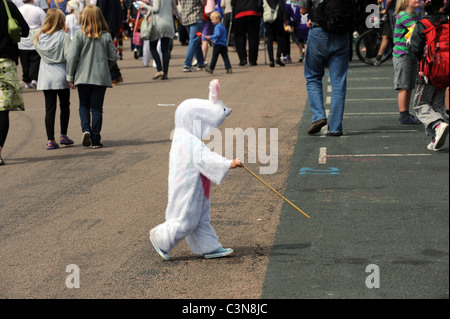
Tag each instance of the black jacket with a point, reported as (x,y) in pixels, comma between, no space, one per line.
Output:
(244,5)
(9,50)
(112,10)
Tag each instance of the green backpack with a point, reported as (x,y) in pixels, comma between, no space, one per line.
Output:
(14,30)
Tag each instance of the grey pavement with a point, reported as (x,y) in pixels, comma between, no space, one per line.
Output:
(378,201)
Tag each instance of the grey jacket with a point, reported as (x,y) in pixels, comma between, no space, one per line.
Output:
(163,21)
(53,50)
(89,59)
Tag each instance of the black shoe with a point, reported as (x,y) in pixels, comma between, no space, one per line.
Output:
(336,134)
(97,145)
(136,54)
(317,126)
(229,71)
(272,64)
(279,62)
(243,62)
(207,69)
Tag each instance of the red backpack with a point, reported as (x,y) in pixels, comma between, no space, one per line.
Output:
(435,64)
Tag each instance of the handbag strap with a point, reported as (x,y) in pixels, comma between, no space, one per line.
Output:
(7,10)
(137,21)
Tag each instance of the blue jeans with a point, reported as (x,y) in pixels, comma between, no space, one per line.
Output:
(333,50)
(91,99)
(195,44)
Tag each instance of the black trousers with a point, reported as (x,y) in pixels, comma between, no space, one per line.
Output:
(247,27)
(4,126)
(50,111)
(275,31)
(30,61)
(223,51)
(165,49)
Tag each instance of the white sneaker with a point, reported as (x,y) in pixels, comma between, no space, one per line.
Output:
(29,86)
(159,251)
(221,252)
(432,147)
(441,134)
(34,84)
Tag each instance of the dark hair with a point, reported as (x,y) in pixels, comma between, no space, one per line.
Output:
(433,6)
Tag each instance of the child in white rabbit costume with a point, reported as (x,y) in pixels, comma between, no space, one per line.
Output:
(191,168)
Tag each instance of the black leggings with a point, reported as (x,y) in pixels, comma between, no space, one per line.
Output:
(50,111)
(4,126)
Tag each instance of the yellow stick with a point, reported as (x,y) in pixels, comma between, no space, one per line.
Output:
(273,190)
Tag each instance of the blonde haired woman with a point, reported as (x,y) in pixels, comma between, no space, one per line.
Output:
(91,54)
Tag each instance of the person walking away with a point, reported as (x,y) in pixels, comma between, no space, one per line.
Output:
(90,55)
(52,44)
(301,30)
(328,47)
(389,17)
(11,95)
(29,58)
(430,96)
(275,29)
(163,31)
(111,10)
(405,64)
(220,44)
(247,21)
(73,18)
(192,19)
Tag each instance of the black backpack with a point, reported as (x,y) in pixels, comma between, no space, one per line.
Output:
(336,16)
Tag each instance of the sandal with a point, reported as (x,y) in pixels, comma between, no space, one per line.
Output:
(158,75)
(52,145)
(65,140)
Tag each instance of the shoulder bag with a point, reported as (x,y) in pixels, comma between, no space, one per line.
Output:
(137,40)
(14,30)
(147,25)
(269,14)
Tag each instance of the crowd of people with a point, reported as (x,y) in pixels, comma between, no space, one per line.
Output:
(61,39)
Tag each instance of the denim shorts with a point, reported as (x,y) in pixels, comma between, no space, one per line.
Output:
(405,69)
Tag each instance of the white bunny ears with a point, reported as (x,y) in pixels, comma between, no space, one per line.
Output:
(214,87)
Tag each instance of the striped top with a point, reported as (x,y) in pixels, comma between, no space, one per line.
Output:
(403,22)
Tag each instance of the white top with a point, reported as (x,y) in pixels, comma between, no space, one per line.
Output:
(41,4)
(35,17)
(18,3)
(72,24)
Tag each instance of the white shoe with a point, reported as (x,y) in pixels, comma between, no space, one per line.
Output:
(159,251)
(432,147)
(222,252)
(441,134)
